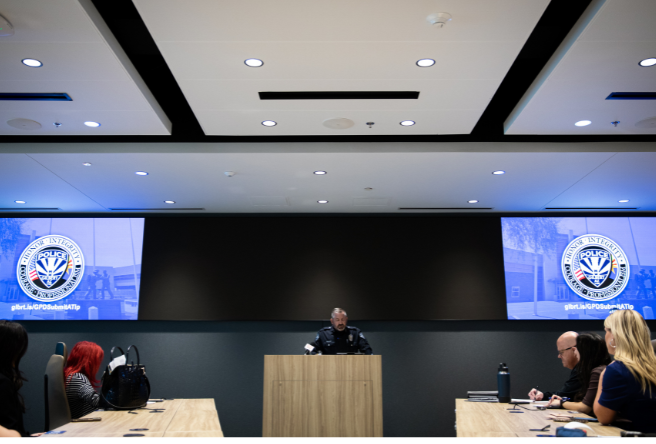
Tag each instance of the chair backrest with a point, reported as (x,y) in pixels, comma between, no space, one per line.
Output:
(58,412)
(60,349)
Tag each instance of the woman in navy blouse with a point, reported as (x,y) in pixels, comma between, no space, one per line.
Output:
(627,391)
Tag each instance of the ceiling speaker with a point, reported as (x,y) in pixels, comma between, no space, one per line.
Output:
(647,123)
(338,123)
(24,124)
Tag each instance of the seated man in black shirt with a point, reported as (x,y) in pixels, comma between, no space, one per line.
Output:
(339,338)
(569,355)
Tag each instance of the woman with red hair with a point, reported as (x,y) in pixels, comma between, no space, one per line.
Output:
(80,377)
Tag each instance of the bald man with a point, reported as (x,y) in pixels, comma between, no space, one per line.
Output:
(569,355)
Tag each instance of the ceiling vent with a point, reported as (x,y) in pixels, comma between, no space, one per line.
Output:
(339,95)
(632,96)
(37,97)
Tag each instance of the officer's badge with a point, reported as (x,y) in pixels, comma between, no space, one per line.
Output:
(50,268)
(50,265)
(595,267)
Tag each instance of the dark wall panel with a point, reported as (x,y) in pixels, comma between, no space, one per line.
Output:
(426,365)
(299,268)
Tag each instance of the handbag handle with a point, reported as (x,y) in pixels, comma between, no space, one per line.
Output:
(136,350)
(111,353)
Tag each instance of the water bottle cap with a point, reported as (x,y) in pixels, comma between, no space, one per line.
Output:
(503,367)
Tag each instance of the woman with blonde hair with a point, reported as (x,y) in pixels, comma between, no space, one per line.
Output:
(628,385)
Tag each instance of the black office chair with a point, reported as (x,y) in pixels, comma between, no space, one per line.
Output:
(58,412)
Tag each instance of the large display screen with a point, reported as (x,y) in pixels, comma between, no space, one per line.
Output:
(579,267)
(256,268)
(70,269)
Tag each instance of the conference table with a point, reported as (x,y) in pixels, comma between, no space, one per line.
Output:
(168,418)
(483,419)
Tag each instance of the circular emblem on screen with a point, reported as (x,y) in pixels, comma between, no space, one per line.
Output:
(50,268)
(595,267)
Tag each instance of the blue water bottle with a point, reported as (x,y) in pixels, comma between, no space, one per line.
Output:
(503,383)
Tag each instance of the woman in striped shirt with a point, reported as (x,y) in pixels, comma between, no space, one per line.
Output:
(80,376)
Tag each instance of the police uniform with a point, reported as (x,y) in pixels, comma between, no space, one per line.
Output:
(331,341)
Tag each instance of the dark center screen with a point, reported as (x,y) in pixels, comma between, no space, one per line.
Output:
(300,268)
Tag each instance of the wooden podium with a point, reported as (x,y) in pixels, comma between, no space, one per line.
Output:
(322,395)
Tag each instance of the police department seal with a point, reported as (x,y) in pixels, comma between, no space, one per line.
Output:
(50,268)
(595,267)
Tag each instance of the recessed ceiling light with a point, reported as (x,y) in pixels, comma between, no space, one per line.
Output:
(648,62)
(86,164)
(20,201)
(92,124)
(472,201)
(320,173)
(269,123)
(322,201)
(141,173)
(583,123)
(624,201)
(169,201)
(254,63)
(32,63)
(498,172)
(425,63)
(407,123)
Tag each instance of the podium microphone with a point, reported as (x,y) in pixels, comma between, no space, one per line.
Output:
(308,349)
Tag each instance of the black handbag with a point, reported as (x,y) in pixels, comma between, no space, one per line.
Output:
(126,387)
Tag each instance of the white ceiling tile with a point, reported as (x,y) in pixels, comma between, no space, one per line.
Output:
(601,60)
(339,60)
(241,122)
(25,179)
(623,21)
(306,46)
(624,176)
(344,20)
(49,21)
(80,57)
(65,61)
(112,122)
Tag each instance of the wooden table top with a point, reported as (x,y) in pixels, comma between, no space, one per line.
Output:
(492,419)
(179,418)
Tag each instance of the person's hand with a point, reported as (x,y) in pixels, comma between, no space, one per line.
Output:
(554,401)
(535,395)
(36,434)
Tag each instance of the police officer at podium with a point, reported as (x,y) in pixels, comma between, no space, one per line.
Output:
(338,338)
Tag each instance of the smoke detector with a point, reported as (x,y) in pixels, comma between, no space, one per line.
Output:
(6,28)
(439,19)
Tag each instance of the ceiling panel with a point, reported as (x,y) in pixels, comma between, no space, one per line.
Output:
(363,46)
(310,122)
(80,57)
(340,20)
(624,176)
(23,178)
(600,56)
(284,182)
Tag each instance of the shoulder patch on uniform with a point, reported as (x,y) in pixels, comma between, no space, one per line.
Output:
(361,335)
(317,338)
